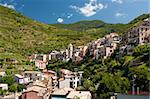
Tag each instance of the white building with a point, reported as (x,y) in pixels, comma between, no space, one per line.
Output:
(54,55)
(3,86)
(70,48)
(19,78)
(70,79)
(33,75)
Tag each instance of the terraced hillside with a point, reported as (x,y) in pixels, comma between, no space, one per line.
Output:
(22,35)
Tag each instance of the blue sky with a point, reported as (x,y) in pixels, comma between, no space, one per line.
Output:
(68,11)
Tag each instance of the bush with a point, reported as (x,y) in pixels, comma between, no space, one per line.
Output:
(13,88)
(8,80)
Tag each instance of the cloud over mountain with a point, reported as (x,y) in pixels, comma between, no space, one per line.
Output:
(7,5)
(60,20)
(119,14)
(89,9)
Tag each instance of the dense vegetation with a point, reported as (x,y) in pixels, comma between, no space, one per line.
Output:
(12,86)
(113,75)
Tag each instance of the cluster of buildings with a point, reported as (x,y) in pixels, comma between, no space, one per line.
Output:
(136,36)
(139,35)
(47,85)
(101,48)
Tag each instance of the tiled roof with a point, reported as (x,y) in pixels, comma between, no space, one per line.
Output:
(62,91)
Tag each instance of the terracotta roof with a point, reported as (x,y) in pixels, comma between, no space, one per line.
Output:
(65,71)
(40,90)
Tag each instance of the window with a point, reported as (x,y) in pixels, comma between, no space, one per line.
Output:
(78,83)
(146,29)
(71,84)
(141,29)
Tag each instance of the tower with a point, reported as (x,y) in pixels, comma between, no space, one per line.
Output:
(70,48)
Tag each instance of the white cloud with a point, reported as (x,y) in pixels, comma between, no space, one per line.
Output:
(118,14)
(60,20)
(89,9)
(118,1)
(8,6)
(69,16)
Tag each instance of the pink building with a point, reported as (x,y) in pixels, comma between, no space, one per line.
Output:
(40,64)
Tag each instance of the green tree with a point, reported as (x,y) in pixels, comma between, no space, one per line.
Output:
(9,79)
(2,92)
(112,83)
(13,88)
(9,71)
(20,87)
(142,49)
(89,85)
(142,73)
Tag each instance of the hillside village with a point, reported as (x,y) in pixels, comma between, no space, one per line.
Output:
(101,48)
(49,84)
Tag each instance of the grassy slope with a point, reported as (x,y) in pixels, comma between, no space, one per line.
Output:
(20,35)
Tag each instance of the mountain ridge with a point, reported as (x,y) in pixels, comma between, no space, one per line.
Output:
(98,23)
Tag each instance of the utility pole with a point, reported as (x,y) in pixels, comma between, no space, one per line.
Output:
(133,85)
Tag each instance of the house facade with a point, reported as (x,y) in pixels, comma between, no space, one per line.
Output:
(140,34)
(33,75)
(19,78)
(69,79)
(41,64)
